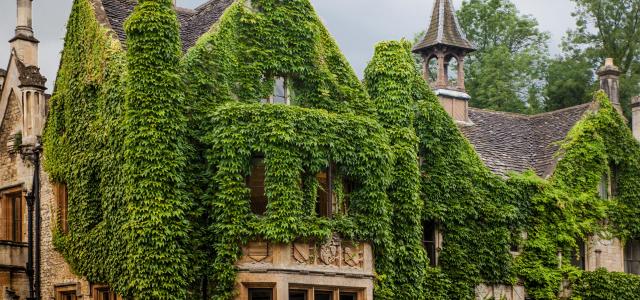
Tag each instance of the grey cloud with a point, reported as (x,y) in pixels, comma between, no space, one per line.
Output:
(357,25)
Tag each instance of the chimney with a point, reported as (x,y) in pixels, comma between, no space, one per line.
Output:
(24,43)
(609,76)
(635,117)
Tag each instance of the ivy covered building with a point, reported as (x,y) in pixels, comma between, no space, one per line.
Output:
(230,152)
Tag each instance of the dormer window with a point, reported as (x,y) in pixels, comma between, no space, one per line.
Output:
(281,92)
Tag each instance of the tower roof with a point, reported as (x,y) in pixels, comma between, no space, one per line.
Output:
(444,29)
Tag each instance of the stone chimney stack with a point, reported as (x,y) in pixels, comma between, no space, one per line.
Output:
(24,43)
(635,116)
(609,76)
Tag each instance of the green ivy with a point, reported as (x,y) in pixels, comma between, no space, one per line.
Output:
(155,146)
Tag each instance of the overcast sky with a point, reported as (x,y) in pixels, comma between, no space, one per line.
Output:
(357,25)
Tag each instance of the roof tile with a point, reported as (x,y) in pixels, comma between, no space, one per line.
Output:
(509,142)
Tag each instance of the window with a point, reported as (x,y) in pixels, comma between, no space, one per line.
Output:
(255,182)
(66,293)
(452,70)
(103,292)
(603,187)
(11,215)
(578,258)
(516,236)
(615,177)
(261,294)
(282,92)
(632,257)
(325,293)
(429,241)
(297,295)
(61,195)
(324,205)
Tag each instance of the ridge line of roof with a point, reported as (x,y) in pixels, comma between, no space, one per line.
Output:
(524,116)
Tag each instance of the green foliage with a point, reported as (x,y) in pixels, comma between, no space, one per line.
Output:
(391,82)
(155,149)
(569,82)
(297,143)
(603,285)
(511,56)
(157,231)
(609,29)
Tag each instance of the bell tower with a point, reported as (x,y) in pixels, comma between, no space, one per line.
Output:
(443,50)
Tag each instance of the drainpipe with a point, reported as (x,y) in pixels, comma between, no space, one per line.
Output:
(30,202)
(33,202)
(38,221)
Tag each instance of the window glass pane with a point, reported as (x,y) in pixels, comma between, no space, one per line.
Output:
(323,295)
(429,241)
(578,258)
(297,295)
(348,296)
(323,199)
(603,189)
(260,294)
(279,94)
(17,217)
(256,184)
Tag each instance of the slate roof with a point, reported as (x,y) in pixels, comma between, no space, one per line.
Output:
(444,29)
(512,142)
(193,22)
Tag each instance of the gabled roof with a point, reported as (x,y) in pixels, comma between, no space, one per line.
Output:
(509,142)
(193,22)
(444,29)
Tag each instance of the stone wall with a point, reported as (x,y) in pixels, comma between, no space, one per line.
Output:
(55,271)
(9,159)
(604,253)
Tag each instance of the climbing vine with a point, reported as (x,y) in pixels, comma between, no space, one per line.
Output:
(155,146)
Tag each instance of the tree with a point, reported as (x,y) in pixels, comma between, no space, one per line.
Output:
(609,29)
(507,71)
(570,81)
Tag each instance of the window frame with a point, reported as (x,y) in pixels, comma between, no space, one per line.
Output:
(335,291)
(635,247)
(431,247)
(327,211)
(62,291)
(14,204)
(247,287)
(98,290)
(286,87)
(61,195)
(249,182)
(580,260)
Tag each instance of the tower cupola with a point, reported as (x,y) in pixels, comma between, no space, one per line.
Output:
(443,49)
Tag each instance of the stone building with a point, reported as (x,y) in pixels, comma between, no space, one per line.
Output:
(336,268)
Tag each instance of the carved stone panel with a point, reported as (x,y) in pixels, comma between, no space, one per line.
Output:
(352,255)
(329,253)
(303,253)
(257,252)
